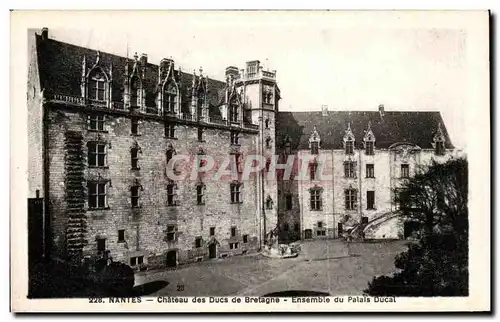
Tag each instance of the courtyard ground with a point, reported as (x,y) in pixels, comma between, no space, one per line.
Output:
(330,266)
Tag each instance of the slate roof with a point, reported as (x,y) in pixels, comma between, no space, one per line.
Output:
(413,127)
(60,69)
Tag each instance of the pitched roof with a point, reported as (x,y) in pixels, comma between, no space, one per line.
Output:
(413,127)
(60,69)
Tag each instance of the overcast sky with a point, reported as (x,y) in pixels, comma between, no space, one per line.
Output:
(320,58)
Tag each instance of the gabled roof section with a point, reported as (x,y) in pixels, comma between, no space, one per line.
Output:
(60,69)
(412,127)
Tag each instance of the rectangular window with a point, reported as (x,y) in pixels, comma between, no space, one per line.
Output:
(134,196)
(200,134)
(171,195)
(370,171)
(315,199)
(96,122)
(320,224)
(350,199)
(134,129)
(197,242)
(233,245)
(235,140)
(101,245)
(321,233)
(296,227)
(97,89)
(234,113)
(349,147)
(288,148)
(405,171)
(288,202)
(233,231)
(212,231)
(235,193)
(96,154)
(236,159)
(370,200)
(97,195)
(286,226)
(133,261)
(200,195)
(134,158)
(170,131)
(314,147)
(313,167)
(170,103)
(349,169)
(245,239)
(170,232)
(121,235)
(369,148)
(364,220)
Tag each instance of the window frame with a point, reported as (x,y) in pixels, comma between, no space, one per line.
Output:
(171,233)
(235,193)
(349,169)
(200,194)
(370,198)
(171,195)
(134,158)
(316,199)
(94,154)
(351,199)
(135,196)
(405,170)
(99,122)
(315,147)
(121,236)
(97,195)
(349,146)
(370,170)
(369,147)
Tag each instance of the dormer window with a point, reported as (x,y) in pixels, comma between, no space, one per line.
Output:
(97,87)
(349,147)
(369,140)
(439,150)
(314,147)
(134,92)
(169,98)
(369,148)
(233,111)
(439,139)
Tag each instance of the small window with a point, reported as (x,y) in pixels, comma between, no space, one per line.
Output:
(288,202)
(405,171)
(350,199)
(286,227)
(266,123)
(140,260)
(134,158)
(133,261)
(370,200)
(170,131)
(101,245)
(235,139)
(321,233)
(96,154)
(349,169)
(233,231)
(96,122)
(235,193)
(316,199)
(134,126)
(369,148)
(370,171)
(233,245)
(245,239)
(170,233)
(171,196)
(296,227)
(268,143)
(320,224)
(198,242)
(269,203)
(134,196)
(212,231)
(288,148)
(200,194)
(200,134)
(121,235)
(364,220)
(314,147)
(349,147)
(313,168)
(97,195)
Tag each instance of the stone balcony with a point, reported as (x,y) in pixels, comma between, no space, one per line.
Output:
(149,110)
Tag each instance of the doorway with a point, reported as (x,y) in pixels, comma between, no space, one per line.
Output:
(212,250)
(171,258)
(308,234)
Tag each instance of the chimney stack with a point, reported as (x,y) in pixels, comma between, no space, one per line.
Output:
(324,110)
(45,33)
(381,110)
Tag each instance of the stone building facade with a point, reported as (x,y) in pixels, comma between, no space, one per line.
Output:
(111,124)
(358,160)
(103,128)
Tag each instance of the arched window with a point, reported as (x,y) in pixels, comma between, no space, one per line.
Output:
(97,86)
(169,97)
(134,92)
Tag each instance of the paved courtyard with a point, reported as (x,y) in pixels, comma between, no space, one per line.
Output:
(324,266)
